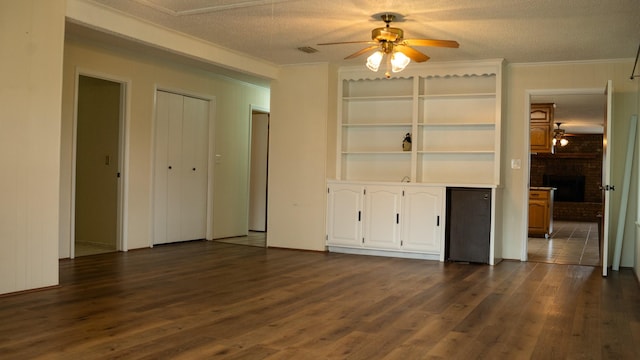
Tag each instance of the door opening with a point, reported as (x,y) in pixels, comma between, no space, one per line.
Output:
(565,201)
(97,225)
(258,175)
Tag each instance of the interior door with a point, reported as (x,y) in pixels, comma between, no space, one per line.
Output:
(181,171)
(606,179)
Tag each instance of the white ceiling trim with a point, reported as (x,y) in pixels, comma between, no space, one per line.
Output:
(119,24)
(208,9)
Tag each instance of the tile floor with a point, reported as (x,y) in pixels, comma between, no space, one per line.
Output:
(574,243)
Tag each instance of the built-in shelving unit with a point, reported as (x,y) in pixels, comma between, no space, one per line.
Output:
(453,112)
(374,121)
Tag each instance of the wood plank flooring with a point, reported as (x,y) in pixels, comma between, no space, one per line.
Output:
(207,300)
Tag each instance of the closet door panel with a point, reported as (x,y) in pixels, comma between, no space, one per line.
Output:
(194,168)
(181,176)
(174,166)
(161,164)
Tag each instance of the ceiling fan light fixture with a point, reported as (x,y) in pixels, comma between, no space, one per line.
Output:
(386,40)
(399,61)
(559,136)
(374,60)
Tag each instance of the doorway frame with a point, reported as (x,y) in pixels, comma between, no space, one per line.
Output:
(264,110)
(211,156)
(123,155)
(526,161)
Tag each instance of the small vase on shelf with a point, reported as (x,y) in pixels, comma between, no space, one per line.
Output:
(406,143)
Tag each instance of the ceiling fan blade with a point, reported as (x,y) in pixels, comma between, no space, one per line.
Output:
(430,42)
(350,42)
(362,51)
(412,53)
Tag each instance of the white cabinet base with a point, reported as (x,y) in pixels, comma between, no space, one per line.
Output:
(387,253)
(397,220)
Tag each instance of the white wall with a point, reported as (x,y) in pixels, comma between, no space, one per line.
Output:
(523,77)
(300,114)
(31,39)
(233,100)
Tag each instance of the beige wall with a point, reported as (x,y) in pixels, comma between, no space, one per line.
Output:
(300,114)
(581,75)
(233,102)
(31,39)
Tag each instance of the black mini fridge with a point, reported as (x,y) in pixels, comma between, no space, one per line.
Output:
(468,227)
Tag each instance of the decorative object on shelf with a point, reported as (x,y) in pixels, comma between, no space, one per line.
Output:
(392,47)
(406,143)
(558,136)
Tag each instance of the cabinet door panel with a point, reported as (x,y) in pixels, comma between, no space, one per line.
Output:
(537,217)
(541,131)
(540,138)
(382,212)
(421,219)
(344,215)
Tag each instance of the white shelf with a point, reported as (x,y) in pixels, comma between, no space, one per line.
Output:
(457,152)
(376,98)
(453,113)
(458,125)
(459,96)
(376,152)
(379,125)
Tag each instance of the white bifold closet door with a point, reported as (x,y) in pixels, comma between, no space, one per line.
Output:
(180,184)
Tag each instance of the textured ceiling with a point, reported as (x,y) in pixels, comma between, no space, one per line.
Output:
(520,31)
(516,30)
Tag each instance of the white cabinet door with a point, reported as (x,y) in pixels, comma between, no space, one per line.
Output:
(422,220)
(180,168)
(382,217)
(344,226)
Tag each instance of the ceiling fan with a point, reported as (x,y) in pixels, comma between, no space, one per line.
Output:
(390,41)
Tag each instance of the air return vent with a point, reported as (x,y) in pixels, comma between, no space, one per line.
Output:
(308,49)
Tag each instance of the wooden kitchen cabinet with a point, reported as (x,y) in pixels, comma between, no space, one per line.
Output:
(540,212)
(541,131)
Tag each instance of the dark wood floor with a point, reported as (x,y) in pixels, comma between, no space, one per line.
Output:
(216,300)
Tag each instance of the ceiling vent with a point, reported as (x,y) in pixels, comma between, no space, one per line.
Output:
(308,49)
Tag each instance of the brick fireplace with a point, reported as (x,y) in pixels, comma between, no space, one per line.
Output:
(576,171)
